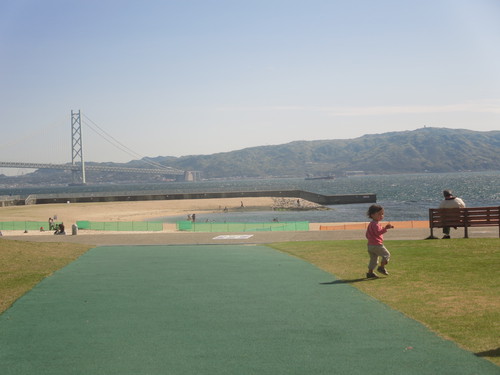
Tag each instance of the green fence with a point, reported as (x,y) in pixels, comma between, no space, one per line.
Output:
(243,227)
(149,226)
(126,226)
(24,225)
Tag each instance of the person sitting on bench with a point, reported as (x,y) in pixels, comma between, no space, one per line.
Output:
(450,201)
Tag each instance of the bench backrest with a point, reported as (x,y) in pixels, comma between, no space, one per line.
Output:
(464,217)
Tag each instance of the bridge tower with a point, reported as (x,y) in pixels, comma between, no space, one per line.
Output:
(76,146)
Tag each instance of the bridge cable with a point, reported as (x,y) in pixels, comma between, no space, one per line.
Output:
(114,142)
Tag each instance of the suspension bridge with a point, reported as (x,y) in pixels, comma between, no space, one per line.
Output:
(78,166)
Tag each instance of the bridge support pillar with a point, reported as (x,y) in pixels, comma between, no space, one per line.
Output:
(77,147)
(192,175)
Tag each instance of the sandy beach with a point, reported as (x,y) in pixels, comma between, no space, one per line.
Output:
(128,211)
(70,213)
(138,211)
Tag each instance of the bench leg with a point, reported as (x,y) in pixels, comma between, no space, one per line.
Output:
(431,237)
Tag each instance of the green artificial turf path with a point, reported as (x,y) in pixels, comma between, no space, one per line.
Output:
(227,309)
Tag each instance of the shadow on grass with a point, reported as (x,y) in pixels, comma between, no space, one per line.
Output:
(348,281)
(489,353)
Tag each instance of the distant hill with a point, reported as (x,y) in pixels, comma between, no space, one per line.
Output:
(421,150)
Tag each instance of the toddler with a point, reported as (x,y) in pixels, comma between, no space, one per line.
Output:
(375,235)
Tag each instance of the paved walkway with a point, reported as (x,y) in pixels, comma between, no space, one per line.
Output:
(179,238)
(213,309)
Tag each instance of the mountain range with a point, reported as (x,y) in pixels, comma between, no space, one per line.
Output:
(426,149)
(421,150)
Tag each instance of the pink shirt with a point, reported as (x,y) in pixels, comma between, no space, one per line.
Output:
(375,233)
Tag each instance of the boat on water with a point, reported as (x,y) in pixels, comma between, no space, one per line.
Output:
(320,178)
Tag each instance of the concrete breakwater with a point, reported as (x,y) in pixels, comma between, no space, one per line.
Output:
(143,196)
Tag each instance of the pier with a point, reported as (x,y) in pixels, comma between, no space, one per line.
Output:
(147,196)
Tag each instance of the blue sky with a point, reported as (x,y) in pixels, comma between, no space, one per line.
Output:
(200,77)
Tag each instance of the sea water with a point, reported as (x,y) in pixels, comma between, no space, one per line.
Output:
(404,196)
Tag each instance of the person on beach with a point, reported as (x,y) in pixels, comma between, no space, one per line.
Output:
(60,229)
(450,201)
(375,235)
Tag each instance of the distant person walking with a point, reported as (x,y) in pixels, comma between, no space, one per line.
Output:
(450,201)
(375,235)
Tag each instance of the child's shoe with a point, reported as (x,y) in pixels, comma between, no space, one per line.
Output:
(382,270)
(371,275)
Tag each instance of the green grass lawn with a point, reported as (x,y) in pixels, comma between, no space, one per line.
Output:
(25,264)
(451,286)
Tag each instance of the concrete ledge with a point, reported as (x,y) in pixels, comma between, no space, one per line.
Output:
(120,197)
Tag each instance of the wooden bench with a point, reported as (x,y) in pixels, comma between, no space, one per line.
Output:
(464,218)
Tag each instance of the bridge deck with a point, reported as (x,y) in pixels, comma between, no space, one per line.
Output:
(102,168)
